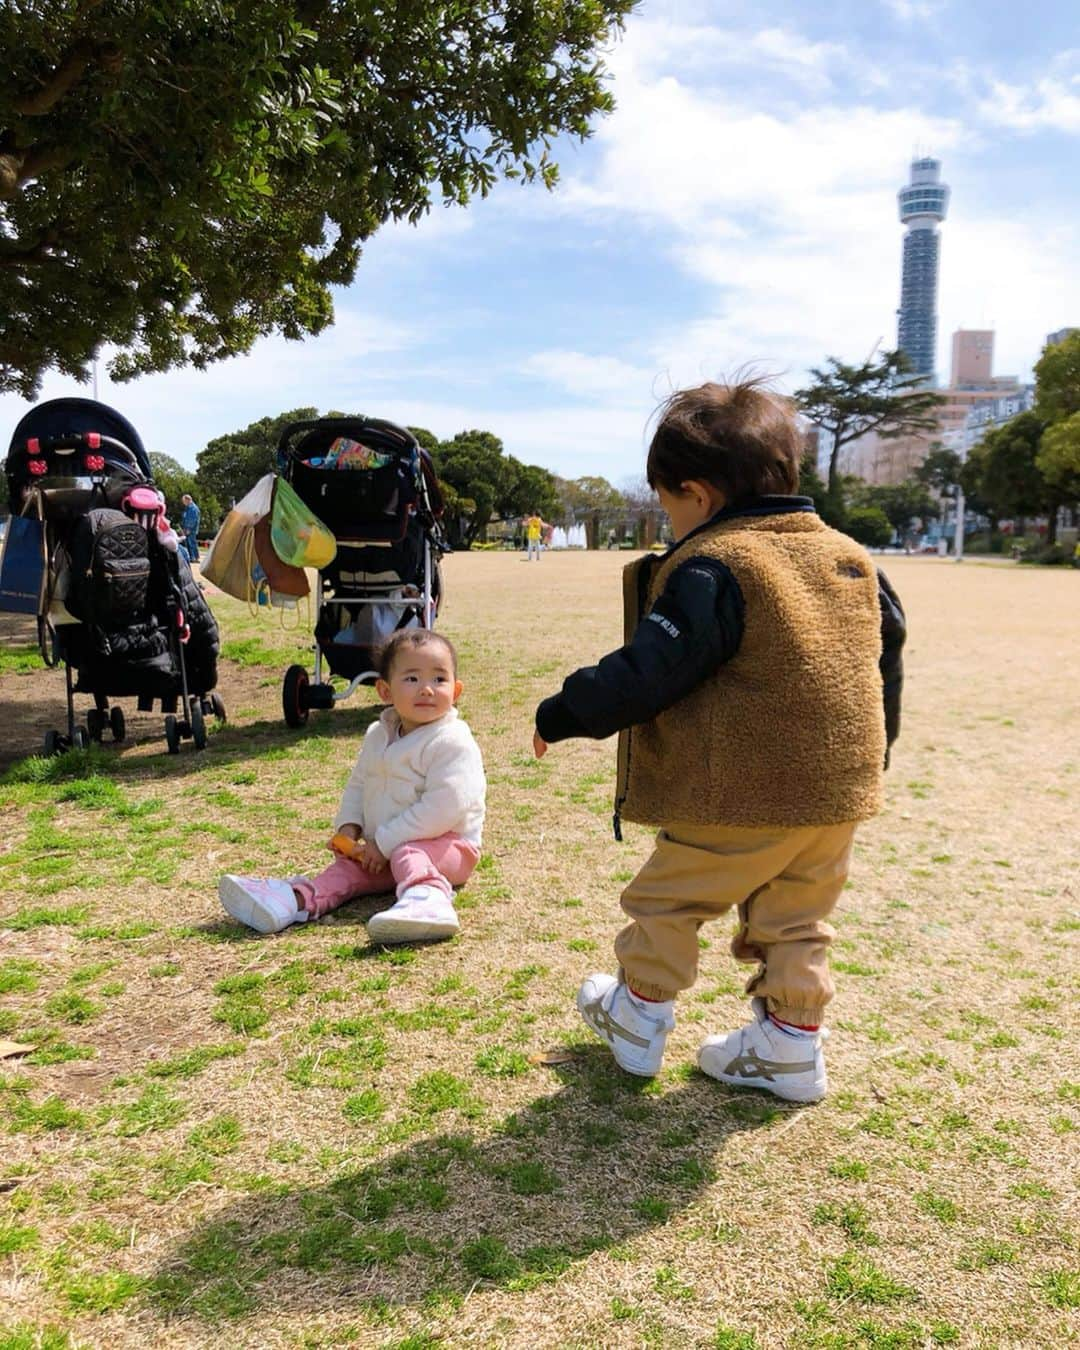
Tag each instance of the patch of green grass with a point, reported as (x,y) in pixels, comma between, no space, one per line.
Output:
(652,1209)
(195,1061)
(849,1169)
(176,1172)
(728,1338)
(14,1238)
(25,1336)
(250,652)
(131,931)
(440,1091)
(937,1206)
(68,916)
(217,1137)
(499,1061)
(100,1293)
(72,1008)
(20,660)
(987,1253)
(154,1109)
(532,1178)
(1061,1288)
(489,1259)
(60,1052)
(18,976)
(364,1106)
(52,1114)
(855,1277)
(852,1218)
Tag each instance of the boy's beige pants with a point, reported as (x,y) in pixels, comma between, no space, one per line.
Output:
(785,883)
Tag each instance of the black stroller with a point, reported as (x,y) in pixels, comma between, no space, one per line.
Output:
(119,607)
(375,489)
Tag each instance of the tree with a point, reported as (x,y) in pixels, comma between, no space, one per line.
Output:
(231,464)
(847,402)
(474,466)
(940,470)
(1058,460)
(174,480)
(177,180)
(899,503)
(1057,379)
(593,500)
(868,525)
(1001,471)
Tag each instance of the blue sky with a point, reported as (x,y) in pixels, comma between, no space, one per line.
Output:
(738,207)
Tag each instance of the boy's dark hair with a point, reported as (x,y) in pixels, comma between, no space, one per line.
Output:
(740,437)
(411,639)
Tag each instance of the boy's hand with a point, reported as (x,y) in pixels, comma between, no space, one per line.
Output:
(539,745)
(370,858)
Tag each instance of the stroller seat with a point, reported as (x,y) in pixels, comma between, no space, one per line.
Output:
(373,486)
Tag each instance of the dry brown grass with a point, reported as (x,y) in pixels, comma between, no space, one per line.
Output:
(316,1186)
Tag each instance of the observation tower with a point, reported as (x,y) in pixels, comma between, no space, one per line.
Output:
(924,202)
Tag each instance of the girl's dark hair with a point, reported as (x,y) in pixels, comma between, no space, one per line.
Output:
(411,639)
(741,437)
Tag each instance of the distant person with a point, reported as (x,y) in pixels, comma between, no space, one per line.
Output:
(190,517)
(410,817)
(534,530)
(755,699)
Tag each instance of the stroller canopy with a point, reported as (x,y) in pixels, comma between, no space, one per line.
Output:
(75,417)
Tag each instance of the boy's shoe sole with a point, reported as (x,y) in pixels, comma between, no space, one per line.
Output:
(389,928)
(237,901)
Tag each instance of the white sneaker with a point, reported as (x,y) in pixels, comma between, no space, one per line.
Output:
(761,1055)
(421,914)
(262,903)
(636,1037)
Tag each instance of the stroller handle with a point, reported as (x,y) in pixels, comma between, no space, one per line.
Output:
(72,441)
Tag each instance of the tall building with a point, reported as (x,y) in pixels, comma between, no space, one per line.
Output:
(923,202)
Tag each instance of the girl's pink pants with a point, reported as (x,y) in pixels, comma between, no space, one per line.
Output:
(444,863)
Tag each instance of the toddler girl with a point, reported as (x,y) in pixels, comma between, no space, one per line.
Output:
(411,815)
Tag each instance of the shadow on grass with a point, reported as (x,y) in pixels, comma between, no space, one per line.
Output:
(228,744)
(588,1168)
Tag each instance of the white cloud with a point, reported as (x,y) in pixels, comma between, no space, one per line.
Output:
(604,378)
(910,11)
(1050,104)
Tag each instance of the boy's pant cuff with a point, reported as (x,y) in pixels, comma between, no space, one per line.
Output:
(797,1017)
(655,993)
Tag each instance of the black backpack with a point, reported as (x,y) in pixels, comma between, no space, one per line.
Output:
(110,569)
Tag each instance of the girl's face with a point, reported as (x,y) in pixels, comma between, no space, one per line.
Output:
(422,686)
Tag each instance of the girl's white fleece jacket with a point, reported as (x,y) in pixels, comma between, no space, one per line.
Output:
(418,786)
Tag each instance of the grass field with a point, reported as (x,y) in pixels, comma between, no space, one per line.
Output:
(227,1140)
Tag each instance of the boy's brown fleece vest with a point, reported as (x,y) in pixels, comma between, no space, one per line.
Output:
(791,730)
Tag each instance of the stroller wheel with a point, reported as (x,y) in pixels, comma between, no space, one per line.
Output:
(52,744)
(172,734)
(198,725)
(294,696)
(117,723)
(81,739)
(217,707)
(95,723)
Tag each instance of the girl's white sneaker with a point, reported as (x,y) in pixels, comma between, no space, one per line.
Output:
(421,914)
(262,903)
(762,1055)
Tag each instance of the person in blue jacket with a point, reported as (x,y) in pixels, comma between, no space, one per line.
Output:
(189,526)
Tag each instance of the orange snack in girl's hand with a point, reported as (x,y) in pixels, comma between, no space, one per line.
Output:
(348,848)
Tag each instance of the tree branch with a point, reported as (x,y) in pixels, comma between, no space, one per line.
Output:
(64,77)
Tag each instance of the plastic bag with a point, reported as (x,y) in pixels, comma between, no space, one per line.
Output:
(299,537)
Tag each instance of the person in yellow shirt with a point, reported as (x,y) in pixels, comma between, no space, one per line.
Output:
(534,529)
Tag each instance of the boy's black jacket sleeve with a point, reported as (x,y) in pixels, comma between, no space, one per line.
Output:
(695,626)
(893,636)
